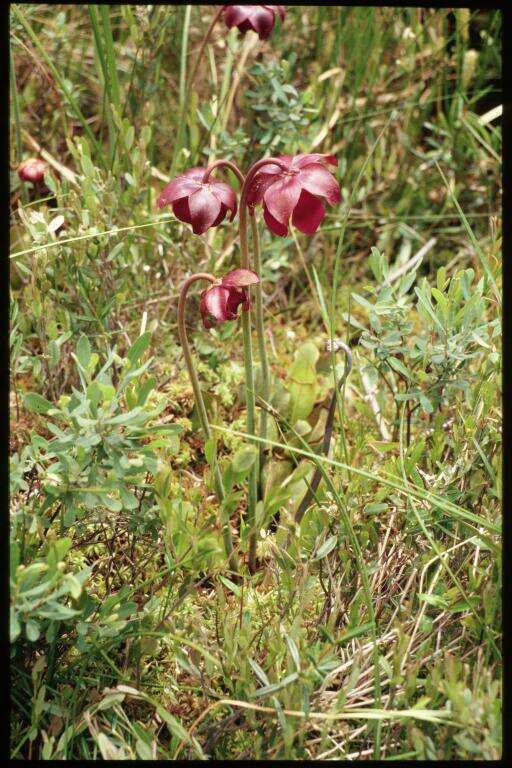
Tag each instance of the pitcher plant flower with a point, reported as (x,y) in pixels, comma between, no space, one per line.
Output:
(203,205)
(32,169)
(220,302)
(258,18)
(294,189)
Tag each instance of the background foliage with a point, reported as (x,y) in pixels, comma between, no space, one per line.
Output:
(128,634)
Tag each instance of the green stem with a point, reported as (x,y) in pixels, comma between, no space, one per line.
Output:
(201,408)
(260,331)
(254,477)
(249,396)
(246,328)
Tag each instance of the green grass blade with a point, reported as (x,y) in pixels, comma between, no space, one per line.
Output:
(447,507)
(476,245)
(113,79)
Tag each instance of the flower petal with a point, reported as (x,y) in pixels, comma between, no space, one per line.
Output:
(318,180)
(282,197)
(235,299)
(308,213)
(239,278)
(214,303)
(236,14)
(225,194)
(262,20)
(260,183)
(302,160)
(275,226)
(178,188)
(181,210)
(204,209)
(222,215)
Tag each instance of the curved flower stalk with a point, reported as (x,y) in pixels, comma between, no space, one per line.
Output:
(218,304)
(258,18)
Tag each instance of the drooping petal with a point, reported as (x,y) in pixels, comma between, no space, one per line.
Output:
(225,194)
(236,14)
(260,180)
(181,210)
(315,178)
(178,188)
(204,209)
(280,10)
(260,183)
(262,20)
(282,197)
(240,278)
(302,160)
(235,299)
(220,218)
(207,323)
(213,304)
(308,213)
(275,226)
(245,26)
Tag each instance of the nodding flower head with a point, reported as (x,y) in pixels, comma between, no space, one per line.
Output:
(295,191)
(220,302)
(259,18)
(203,205)
(32,169)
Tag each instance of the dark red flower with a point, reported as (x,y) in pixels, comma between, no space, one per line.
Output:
(196,203)
(220,302)
(33,169)
(259,18)
(295,191)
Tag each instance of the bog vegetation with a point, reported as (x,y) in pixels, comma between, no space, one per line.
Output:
(254,550)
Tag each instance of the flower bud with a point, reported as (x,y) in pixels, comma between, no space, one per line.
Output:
(32,169)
